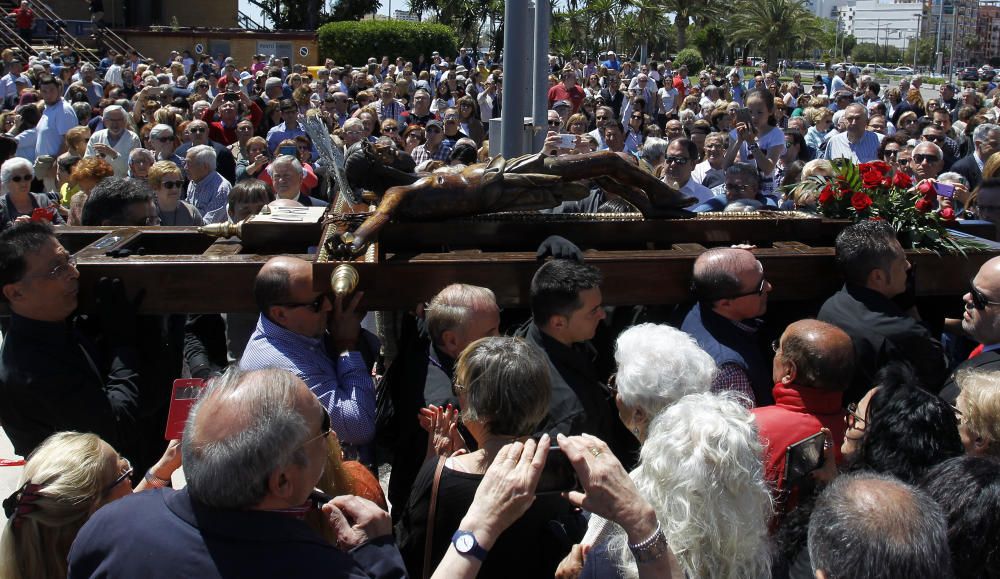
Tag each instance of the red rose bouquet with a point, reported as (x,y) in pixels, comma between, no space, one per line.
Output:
(871,191)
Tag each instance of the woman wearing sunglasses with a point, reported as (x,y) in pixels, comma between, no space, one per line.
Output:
(18,202)
(64,482)
(166,180)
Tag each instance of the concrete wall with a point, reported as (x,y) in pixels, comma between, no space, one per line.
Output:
(209,14)
(240,45)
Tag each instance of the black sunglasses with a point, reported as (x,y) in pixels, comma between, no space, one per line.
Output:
(316,305)
(758,291)
(920,158)
(197,131)
(325,428)
(19,178)
(126,472)
(979,299)
(172,184)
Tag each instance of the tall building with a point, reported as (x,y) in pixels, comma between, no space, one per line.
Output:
(879,23)
(954,23)
(987,33)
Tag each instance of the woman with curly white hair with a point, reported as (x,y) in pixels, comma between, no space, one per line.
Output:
(657,366)
(702,470)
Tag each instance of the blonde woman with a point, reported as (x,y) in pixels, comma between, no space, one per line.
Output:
(64,482)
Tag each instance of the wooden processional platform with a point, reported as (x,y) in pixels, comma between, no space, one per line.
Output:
(643,261)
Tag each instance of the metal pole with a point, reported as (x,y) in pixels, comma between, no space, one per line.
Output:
(916,42)
(512,114)
(951,60)
(540,97)
(937,41)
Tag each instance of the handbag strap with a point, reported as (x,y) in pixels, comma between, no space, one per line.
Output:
(429,538)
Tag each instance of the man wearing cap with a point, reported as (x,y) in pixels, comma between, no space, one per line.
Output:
(8,87)
(434,149)
(612,62)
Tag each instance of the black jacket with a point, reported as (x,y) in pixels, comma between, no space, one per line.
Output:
(987,361)
(882,333)
(968,168)
(420,375)
(48,385)
(581,402)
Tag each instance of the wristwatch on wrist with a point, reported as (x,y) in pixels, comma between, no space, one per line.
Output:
(466,544)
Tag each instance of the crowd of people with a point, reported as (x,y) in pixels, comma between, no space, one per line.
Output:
(858,439)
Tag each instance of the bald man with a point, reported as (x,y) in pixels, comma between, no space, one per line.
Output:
(732,290)
(926,161)
(813,365)
(256,445)
(300,330)
(873,525)
(981,322)
(856,143)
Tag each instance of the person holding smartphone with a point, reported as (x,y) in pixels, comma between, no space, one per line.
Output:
(757,140)
(230,107)
(504,391)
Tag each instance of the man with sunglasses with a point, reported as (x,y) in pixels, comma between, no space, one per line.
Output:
(316,338)
(875,271)
(981,322)
(53,375)
(225,162)
(934,135)
(732,292)
(926,161)
(680,160)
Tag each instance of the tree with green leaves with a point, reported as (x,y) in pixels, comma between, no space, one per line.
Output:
(772,26)
(686,11)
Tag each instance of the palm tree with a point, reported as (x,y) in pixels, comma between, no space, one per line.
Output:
(603,20)
(687,10)
(772,25)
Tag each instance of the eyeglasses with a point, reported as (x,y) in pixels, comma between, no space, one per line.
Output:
(979,299)
(433,130)
(172,184)
(852,419)
(59,271)
(890,153)
(389,129)
(197,131)
(919,158)
(126,472)
(676,159)
(316,305)
(776,345)
(934,138)
(600,118)
(244,129)
(19,178)
(555,123)
(325,428)
(164,139)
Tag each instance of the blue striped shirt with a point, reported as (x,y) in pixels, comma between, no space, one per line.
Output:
(344,386)
(865,150)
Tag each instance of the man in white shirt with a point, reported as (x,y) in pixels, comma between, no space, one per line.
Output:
(682,156)
(856,143)
(114,142)
(8,86)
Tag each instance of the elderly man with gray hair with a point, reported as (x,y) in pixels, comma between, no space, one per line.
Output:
(115,141)
(868,526)
(208,191)
(457,316)
(286,174)
(856,143)
(986,138)
(926,161)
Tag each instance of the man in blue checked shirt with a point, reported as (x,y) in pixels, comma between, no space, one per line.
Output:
(300,330)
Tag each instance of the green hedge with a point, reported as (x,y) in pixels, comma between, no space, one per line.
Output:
(354,42)
(692,58)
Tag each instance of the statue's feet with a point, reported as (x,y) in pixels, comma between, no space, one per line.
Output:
(344,246)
